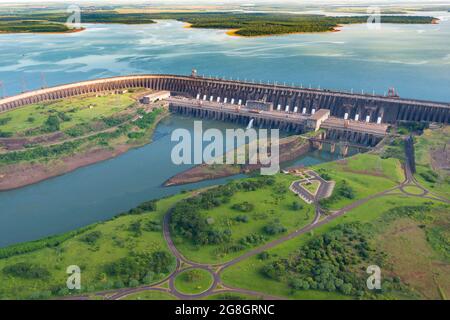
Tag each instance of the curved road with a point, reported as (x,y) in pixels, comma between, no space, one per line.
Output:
(183,263)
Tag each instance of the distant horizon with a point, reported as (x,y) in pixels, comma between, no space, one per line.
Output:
(229,2)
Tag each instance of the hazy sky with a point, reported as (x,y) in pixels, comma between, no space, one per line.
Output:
(233,1)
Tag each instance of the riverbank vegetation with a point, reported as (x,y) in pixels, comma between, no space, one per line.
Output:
(243,24)
(125,251)
(50,138)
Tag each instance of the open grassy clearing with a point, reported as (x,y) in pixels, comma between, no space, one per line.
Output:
(231,296)
(250,218)
(70,112)
(248,274)
(362,175)
(150,295)
(311,186)
(432,153)
(104,252)
(193,281)
(413,190)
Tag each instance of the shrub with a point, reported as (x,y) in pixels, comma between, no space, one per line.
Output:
(274,227)
(91,237)
(26,271)
(244,206)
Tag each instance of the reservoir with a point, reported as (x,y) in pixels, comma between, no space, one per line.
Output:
(102,190)
(407,57)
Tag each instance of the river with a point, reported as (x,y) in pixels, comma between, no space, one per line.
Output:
(408,57)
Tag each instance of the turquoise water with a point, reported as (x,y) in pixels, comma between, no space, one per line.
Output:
(414,59)
(102,190)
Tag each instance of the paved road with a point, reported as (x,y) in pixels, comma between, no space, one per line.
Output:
(216,270)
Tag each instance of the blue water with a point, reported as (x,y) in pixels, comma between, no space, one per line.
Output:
(414,59)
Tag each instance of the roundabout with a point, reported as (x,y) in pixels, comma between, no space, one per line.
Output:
(193,282)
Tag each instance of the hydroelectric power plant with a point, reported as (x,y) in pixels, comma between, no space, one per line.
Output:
(361,119)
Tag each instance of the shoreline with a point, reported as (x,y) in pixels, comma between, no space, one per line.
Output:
(232,33)
(41,33)
(292,148)
(35,173)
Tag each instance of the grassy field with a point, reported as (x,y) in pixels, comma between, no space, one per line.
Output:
(71,112)
(193,281)
(365,174)
(311,186)
(432,153)
(247,274)
(92,250)
(150,295)
(268,204)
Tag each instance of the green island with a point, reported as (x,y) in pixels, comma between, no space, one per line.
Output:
(50,138)
(193,281)
(243,229)
(241,24)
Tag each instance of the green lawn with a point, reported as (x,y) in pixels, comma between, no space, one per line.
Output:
(429,144)
(118,238)
(267,207)
(150,295)
(247,274)
(231,296)
(413,190)
(365,173)
(193,281)
(78,110)
(311,186)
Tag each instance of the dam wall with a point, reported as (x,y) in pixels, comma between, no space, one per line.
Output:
(368,108)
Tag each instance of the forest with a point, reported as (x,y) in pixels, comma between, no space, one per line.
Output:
(244,24)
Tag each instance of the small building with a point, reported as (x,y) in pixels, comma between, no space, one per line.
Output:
(259,105)
(315,120)
(155,96)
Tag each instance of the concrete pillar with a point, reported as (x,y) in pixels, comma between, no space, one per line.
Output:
(368,118)
(239,101)
(279,107)
(356,117)
(344,150)
(346,116)
(232,100)
(303,110)
(218,99)
(225,100)
(198,96)
(333,147)
(286,109)
(295,109)
(211,98)
(313,111)
(204,97)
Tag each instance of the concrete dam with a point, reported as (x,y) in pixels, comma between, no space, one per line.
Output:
(357,118)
